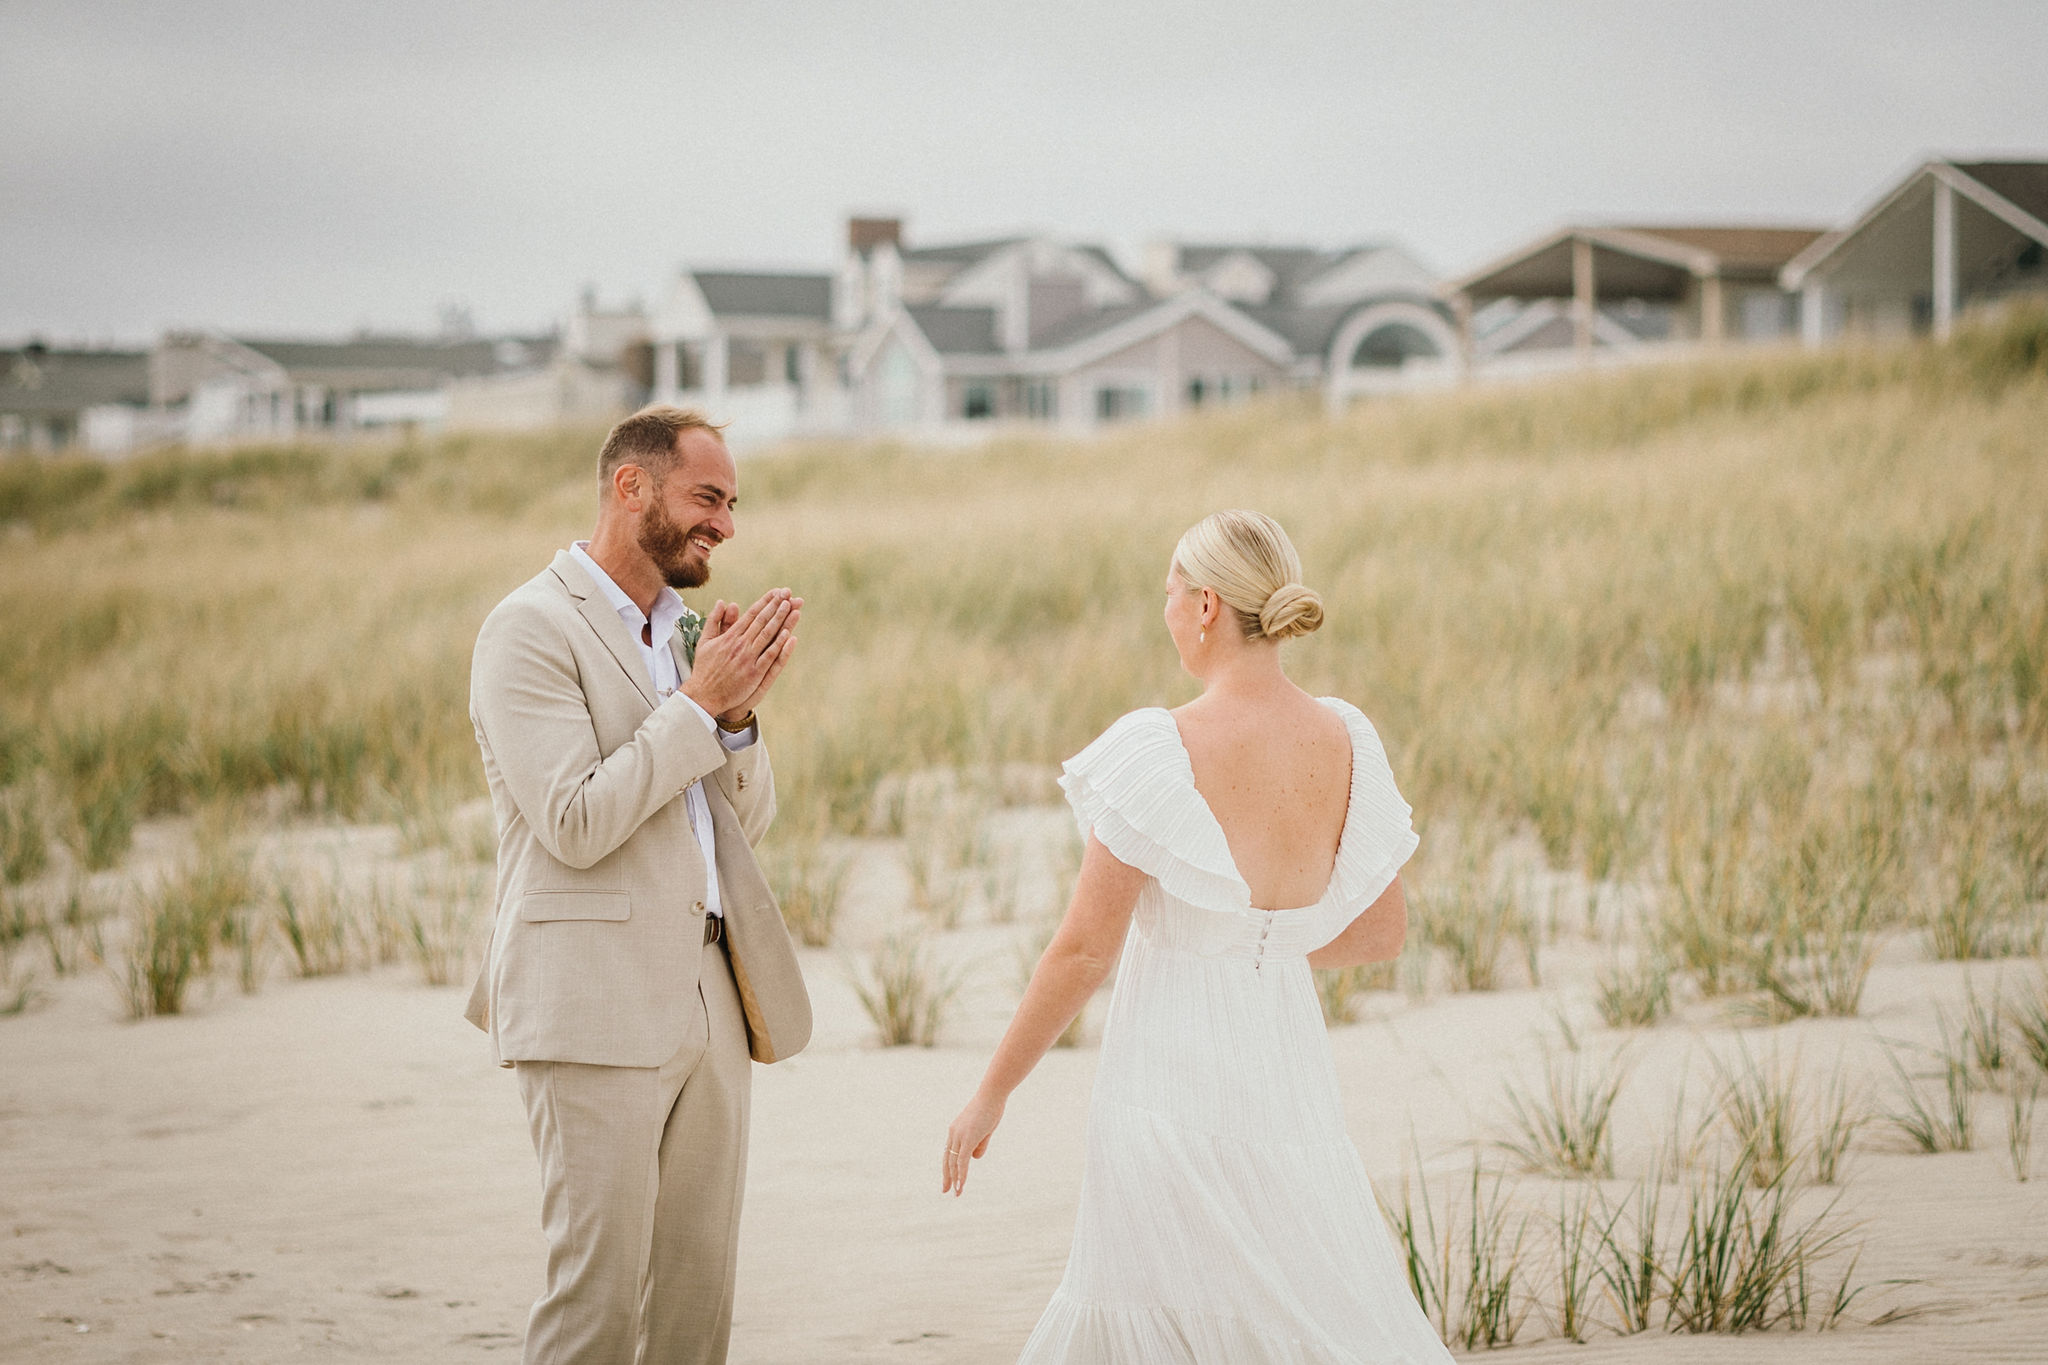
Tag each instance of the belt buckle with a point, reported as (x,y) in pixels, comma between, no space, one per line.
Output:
(714,928)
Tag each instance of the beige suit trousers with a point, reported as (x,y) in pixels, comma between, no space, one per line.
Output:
(641,1174)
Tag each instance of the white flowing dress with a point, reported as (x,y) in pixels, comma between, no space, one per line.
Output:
(1225,1216)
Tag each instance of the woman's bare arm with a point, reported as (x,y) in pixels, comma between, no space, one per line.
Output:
(1375,936)
(1079,959)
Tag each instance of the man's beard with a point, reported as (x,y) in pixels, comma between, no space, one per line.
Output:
(668,545)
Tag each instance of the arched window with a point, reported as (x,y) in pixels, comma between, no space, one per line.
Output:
(1391,346)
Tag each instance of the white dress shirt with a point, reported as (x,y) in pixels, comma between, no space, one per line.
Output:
(667,678)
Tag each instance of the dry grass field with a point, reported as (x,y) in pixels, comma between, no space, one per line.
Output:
(1721,693)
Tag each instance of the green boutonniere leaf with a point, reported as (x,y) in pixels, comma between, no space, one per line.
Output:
(690,628)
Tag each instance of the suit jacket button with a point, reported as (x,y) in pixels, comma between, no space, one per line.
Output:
(698,907)
(740,781)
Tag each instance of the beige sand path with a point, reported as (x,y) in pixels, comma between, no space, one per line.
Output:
(332,1170)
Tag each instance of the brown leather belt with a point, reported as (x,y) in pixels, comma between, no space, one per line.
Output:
(714,928)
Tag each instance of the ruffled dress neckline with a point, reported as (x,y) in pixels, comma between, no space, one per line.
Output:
(1134,789)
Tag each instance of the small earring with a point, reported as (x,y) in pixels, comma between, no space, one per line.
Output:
(1205,635)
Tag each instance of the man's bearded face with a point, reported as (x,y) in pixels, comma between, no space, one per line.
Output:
(682,554)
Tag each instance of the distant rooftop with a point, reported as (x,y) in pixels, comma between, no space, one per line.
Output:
(39,380)
(958,331)
(765,294)
(960,253)
(2024,184)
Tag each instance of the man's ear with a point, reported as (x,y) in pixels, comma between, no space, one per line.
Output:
(628,480)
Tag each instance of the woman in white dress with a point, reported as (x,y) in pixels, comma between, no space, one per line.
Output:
(1225,1216)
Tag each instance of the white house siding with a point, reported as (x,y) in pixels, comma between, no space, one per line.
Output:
(566,393)
(1156,373)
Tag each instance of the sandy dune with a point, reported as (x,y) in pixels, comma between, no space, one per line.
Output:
(333,1170)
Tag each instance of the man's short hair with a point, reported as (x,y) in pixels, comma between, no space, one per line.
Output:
(648,438)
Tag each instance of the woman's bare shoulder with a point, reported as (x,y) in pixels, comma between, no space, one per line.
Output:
(1296,716)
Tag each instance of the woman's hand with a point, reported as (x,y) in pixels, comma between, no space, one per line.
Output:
(968,1137)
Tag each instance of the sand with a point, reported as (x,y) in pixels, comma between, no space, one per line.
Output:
(332,1169)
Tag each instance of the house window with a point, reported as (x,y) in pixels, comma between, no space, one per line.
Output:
(1120,404)
(978,402)
(792,372)
(1392,346)
(1041,400)
(1197,391)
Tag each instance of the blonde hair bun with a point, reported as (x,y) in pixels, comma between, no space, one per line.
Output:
(1292,609)
(1246,559)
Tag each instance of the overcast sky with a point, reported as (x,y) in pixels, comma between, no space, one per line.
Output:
(304,166)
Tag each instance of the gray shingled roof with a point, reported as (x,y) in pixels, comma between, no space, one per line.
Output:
(1084,325)
(35,381)
(958,331)
(400,362)
(473,355)
(2024,183)
(760,294)
(963,253)
(1107,260)
(1308,330)
(1292,266)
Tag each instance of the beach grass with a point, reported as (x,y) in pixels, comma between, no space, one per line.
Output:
(905,992)
(1565,608)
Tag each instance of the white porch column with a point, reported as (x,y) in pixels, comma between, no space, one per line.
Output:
(1461,311)
(1944,259)
(1167,375)
(1713,311)
(716,353)
(1584,298)
(806,376)
(1813,312)
(667,371)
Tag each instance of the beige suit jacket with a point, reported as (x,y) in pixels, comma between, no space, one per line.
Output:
(599,923)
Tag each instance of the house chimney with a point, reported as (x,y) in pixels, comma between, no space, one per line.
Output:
(865,234)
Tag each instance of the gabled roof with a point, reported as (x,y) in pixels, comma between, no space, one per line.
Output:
(2014,191)
(1105,331)
(751,293)
(1308,330)
(960,253)
(1289,264)
(1741,248)
(1546,325)
(470,356)
(1655,259)
(1294,268)
(2023,184)
(957,331)
(1108,261)
(38,380)
(1091,323)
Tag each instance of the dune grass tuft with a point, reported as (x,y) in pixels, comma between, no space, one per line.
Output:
(905,993)
(1566,1128)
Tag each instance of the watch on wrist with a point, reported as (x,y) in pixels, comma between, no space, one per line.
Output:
(746,723)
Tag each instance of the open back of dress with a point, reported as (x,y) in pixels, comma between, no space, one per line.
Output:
(1225,1216)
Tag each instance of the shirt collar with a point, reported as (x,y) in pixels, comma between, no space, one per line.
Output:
(668,607)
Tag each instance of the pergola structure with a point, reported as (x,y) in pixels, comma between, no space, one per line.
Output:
(1694,268)
(1948,235)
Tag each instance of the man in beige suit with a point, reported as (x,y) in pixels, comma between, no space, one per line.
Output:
(637,958)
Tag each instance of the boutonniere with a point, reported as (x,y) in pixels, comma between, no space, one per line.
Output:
(689,627)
